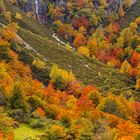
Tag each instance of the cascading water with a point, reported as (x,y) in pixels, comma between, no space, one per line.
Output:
(36,7)
(37,10)
(41,10)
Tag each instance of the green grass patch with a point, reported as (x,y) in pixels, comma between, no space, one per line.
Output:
(24,132)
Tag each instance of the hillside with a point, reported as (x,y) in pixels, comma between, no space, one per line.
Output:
(87,89)
(88,71)
(65,109)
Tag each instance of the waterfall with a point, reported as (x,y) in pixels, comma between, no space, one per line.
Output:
(36,7)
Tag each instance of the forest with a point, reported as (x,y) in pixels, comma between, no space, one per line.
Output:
(69,70)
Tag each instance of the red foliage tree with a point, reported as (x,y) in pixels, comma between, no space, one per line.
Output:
(78,22)
(84,105)
(133,72)
(137,108)
(135,58)
(88,88)
(79,40)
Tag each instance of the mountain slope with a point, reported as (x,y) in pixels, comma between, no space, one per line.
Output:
(87,70)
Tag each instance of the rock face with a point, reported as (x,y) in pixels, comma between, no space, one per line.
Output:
(38,7)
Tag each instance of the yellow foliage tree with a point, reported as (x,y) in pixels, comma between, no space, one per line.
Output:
(137,20)
(125,67)
(92,46)
(121,11)
(39,64)
(104,3)
(28,14)
(4,43)
(54,72)
(65,76)
(127,3)
(83,50)
(133,25)
(127,35)
(111,63)
(57,132)
(68,46)
(9,32)
(7,15)
(120,42)
(5,80)
(71,102)
(18,16)
(82,30)
(137,86)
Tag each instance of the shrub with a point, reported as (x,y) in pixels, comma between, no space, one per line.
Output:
(5,54)
(5,121)
(61,78)
(65,118)
(17,101)
(59,83)
(114,106)
(35,102)
(19,115)
(52,111)
(38,64)
(102,131)
(37,123)
(95,97)
(82,129)
(56,132)
(3,100)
